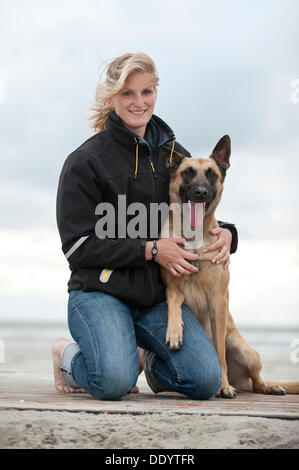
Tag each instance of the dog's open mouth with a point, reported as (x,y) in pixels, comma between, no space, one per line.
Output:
(197,213)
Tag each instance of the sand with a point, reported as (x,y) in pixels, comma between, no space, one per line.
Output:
(64,430)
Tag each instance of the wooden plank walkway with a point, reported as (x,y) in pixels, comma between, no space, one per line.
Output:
(23,391)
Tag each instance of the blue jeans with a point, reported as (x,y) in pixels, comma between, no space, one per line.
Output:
(104,362)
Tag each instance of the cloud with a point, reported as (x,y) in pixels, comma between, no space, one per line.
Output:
(23,206)
(260,194)
(224,68)
(264,280)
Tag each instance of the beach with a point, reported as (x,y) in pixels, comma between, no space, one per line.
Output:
(28,363)
(62,430)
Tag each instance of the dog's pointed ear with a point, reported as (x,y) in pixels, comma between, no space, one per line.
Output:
(172,159)
(221,153)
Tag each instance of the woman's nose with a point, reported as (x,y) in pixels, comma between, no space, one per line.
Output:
(138,99)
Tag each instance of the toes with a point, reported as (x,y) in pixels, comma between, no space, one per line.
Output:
(174,344)
(226,392)
(276,390)
(270,389)
(76,390)
(174,340)
(61,388)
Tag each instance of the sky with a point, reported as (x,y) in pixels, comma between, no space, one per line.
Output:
(225,67)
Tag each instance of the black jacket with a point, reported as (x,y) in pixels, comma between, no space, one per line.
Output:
(111,163)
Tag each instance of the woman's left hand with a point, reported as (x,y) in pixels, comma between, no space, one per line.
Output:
(223,243)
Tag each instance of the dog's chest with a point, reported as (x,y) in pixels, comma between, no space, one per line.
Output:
(195,298)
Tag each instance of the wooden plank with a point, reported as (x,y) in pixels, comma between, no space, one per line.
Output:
(36,392)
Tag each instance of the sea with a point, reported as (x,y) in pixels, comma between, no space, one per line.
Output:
(26,347)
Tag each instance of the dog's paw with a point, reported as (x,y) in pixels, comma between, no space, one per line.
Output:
(273,389)
(226,391)
(174,337)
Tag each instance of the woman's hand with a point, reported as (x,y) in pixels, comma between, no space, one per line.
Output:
(223,243)
(172,256)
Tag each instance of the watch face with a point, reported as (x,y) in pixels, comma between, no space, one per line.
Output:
(154,251)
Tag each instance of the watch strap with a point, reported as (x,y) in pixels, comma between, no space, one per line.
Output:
(154,249)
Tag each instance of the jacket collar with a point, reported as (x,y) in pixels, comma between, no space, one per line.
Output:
(158,132)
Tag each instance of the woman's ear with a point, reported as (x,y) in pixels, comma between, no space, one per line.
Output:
(109,101)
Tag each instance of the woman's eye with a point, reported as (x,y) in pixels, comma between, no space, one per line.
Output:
(148,92)
(126,93)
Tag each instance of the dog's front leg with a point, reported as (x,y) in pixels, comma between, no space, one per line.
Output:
(174,333)
(218,318)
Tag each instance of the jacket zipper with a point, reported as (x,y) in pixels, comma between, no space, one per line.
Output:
(153,176)
(149,157)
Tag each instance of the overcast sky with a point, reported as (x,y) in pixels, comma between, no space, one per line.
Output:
(225,67)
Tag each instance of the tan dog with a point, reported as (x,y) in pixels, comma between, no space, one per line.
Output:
(206,292)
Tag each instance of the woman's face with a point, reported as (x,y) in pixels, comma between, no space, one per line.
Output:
(134,104)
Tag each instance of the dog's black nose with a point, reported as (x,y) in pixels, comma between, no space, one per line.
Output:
(200,192)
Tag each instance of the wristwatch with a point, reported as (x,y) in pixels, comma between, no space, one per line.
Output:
(154,250)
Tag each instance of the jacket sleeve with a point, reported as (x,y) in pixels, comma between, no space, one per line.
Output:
(234,232)
(79,192)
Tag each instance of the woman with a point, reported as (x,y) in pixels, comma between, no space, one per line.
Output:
(116,295)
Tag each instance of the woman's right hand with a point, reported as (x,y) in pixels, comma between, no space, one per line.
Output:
(172,257)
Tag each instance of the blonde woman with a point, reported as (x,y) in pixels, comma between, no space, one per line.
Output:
(116,295)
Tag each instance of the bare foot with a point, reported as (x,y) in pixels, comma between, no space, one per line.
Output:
(140,357)
(57,351)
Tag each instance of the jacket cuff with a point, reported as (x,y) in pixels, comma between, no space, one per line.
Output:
(142,247)
(234,232)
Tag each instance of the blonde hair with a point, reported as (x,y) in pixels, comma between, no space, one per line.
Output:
(117,71)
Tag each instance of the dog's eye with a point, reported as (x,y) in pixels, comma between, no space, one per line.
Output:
(211,175)
(211,172)
(189,173)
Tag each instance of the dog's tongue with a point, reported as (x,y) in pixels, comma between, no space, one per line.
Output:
(197,213)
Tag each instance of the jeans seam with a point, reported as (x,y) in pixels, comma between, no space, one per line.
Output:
(76,307)
(165,349)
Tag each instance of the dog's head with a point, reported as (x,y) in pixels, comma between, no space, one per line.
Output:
(201,179)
